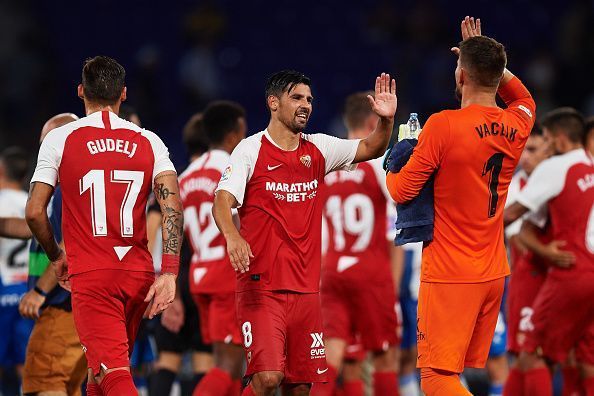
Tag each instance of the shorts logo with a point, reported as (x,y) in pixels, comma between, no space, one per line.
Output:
(226,173)
(318,350)
(305,160)
(420,334)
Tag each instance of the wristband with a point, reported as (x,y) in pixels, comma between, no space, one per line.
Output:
(170,263)
(39,291)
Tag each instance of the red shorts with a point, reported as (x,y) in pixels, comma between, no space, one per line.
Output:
(366,310)
(108,306)
(524,285)
(282,331)
(563,318)
(218,321)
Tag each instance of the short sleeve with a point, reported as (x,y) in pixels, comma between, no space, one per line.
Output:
(49,158)
(545,183)
(338,153)
(161,153)
(239,170)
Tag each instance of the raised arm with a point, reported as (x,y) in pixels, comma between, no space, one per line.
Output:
(384,105)
(162,292)
(14,227)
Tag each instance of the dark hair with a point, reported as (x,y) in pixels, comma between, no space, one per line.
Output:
(103,80)
(16,163)
(589,124)
(566,120)
(484,59)
(285,80)
(356,109)
(219,118)
(127,111)
(193,136)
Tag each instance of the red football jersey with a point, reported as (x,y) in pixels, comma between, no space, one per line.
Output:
(565,183)
(356,216)
(210,268)
(280,210)
(105,166)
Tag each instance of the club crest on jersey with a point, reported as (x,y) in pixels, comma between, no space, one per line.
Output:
(227,173)
(305,160)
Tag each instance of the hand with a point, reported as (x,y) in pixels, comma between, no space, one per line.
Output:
(558,257)
(469,28)
(161,294)
(385,102)
(61,269)
(173,318)
(239,252)
(30,304)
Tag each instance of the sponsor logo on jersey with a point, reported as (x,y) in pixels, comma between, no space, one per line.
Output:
(293,192)
(318,350)
(227,173)
(305,160)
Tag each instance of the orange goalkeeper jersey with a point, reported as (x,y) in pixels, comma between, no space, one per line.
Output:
(473,153)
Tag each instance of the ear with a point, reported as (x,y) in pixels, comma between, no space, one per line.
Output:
(462,76)
(273,102)
(123,95)
(80,91)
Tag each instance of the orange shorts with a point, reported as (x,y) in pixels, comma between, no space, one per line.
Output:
(456,323)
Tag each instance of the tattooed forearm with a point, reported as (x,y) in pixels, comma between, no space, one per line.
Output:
(173,228)
(162,192)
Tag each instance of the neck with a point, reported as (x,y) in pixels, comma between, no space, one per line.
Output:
(360,133)
(91,108)
(10,185)
(283,136)
(471,95)
(224,147)
(571,147)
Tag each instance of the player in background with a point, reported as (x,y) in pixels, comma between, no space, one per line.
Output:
(464,267)
(528,271)
(14,330)
(589,141)
(274,178)
(212,279)
(563,313)
(105,166)
(358,292)
(178,328)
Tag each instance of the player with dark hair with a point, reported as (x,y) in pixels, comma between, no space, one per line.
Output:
(212,280)
(472,153)
(106,167)
(274,178)
(193,136)
(14,330)
(560,191)
(358,291)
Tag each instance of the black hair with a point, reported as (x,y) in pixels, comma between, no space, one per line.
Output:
(193,136)
(484,58)
(103,80)
(220,118)
(566,120)
(16,163)
(285,80)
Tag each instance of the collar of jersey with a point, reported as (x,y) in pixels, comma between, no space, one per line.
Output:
(276,145)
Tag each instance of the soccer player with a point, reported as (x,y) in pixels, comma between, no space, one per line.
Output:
(358,293)
(561,186)
(274,178)
(589,141)
(50,306)
(179,328)
(212,279)
(105,167)
(14,330)
(473,153)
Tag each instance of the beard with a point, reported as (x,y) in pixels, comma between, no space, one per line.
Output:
(294,125)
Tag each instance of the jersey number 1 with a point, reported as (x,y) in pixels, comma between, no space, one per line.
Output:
(493,168)
(94,181)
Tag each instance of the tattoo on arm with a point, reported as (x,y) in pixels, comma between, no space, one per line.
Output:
(172,230)
(162,192)
(167,194)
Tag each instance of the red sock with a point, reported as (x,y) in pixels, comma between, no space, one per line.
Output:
(572,384)
(235,389)
(538,382)
(353,388)
(385,383)
(588,384)
(514,386)
(215,382)
(248,391)
(118,383)
(94,390)
(327,389)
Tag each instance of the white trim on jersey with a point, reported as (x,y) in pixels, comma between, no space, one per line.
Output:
(512,197)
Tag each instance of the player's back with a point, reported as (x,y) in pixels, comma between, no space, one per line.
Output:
(481,149)
(13,252)
(106,166)
(211,271)
(355,214)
